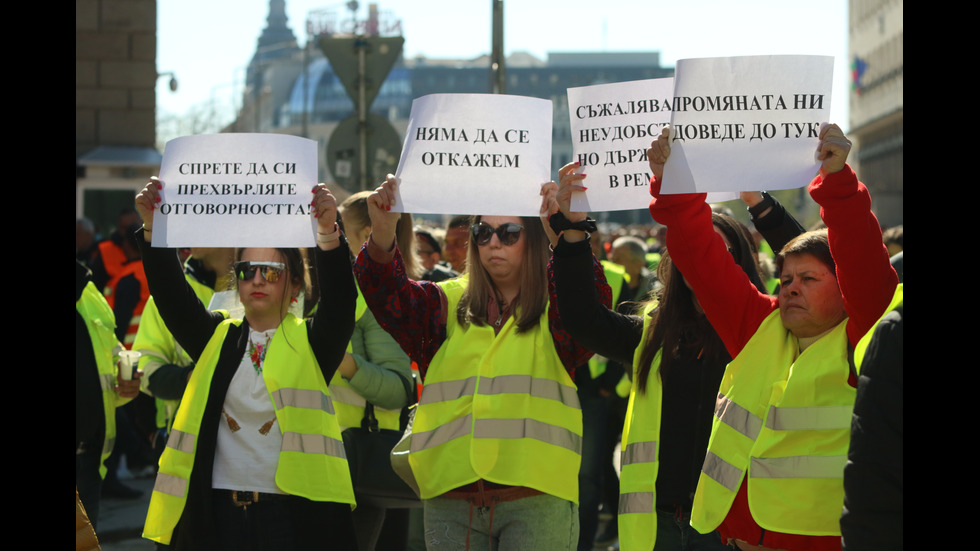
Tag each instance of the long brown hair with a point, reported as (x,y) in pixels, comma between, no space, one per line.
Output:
(677,326)
(533,298)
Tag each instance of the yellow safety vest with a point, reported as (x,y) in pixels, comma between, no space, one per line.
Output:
(312,462)
(862,345)
(158,346)
(785,418)
(101,325)
(348,403)
(500,408)
(639,459)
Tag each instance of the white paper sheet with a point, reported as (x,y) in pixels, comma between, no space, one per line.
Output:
(475,154)
(236,190)
(747,123)
(612,126)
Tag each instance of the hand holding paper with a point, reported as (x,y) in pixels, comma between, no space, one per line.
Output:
(833,149)
(383,221)
(147,201)
(325,211)
(658,153)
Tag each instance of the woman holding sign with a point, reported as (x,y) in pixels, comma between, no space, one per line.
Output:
(255,459)
(497,434)
(678,361)
(772,476)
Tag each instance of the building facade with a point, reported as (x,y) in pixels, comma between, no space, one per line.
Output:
(876,102)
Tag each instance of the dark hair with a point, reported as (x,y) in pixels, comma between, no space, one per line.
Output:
(814,243)
(424,235)
(533,298)
(894,234)
(677,326)
(460,221)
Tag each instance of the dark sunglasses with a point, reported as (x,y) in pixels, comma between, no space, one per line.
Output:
(270,271)
(508,233)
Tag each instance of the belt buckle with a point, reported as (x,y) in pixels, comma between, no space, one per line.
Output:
(244,499)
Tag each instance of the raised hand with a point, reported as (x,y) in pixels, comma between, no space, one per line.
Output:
(383,221)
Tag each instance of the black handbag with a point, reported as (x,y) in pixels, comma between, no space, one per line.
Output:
(368,450)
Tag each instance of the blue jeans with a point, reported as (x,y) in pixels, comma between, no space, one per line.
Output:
(674,533)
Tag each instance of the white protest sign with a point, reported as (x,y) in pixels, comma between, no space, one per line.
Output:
(475,154)
(746,123)
(236,190)
(612,126)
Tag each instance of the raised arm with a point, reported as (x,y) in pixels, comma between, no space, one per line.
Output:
(580,294)
(866,279)
(731,303)
(331,327)
(412,312)
(770,217)
(190,321)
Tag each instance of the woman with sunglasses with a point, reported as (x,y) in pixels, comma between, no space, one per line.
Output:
(678,362)
(496,438)
(255,460)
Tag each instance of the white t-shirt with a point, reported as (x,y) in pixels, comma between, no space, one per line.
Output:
(249,437)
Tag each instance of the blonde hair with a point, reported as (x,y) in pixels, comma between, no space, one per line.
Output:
(355,208)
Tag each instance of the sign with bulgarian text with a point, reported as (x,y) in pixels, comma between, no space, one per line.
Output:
(612,126)
(236,190)
(746,123)
(475,154)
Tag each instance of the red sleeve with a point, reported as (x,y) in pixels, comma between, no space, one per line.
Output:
(571,353)
(412,312)
(731,303)
(866,278)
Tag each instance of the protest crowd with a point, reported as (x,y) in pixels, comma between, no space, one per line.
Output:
(756,400)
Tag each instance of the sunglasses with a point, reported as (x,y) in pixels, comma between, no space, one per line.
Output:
(508,233)
(270,271)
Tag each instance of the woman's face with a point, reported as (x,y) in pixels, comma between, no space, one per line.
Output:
(504,263)
(810,302)
(263,298)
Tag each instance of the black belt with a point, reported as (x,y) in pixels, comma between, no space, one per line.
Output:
(241,498)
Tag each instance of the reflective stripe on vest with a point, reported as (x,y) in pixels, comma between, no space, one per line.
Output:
(503,384)
(505,402)
(181,441)
(783,420)
(311,462)
(171,485)
(302,398)
(801,466)
(100,324)
(737,417)
(312,443)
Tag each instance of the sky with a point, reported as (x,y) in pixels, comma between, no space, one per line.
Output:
(208,44)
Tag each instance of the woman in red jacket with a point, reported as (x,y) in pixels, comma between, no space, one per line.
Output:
(772,474)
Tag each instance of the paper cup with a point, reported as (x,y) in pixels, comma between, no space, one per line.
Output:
(128,361)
